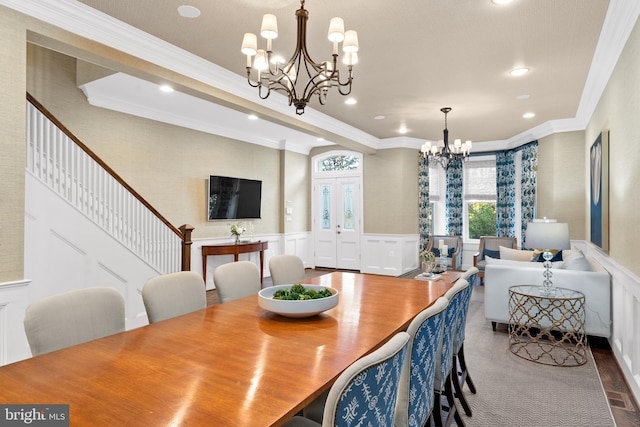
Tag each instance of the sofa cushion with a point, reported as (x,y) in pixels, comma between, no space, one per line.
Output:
(515,254)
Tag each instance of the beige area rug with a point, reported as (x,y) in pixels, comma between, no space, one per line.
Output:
(515,392)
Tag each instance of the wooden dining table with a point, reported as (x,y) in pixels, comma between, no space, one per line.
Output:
(232,364)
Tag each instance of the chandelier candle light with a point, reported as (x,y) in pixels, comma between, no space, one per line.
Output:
(442,152)
(300,78)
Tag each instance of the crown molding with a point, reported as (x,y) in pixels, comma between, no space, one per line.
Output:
(87,22)
(619,21)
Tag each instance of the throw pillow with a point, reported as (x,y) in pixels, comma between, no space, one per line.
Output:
(511,263)
(515,254)
(556,257)
(436,252)
(492,254)
(576,261)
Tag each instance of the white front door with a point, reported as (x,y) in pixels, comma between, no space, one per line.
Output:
(337,222)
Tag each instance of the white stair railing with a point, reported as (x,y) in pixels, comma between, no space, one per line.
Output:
(68,169)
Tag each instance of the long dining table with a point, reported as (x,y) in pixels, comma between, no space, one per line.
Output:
(232,364)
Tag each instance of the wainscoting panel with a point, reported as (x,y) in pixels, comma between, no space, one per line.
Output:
(625,301)
(389,254)
(14,299)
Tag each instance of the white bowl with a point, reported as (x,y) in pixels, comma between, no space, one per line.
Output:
(296,308)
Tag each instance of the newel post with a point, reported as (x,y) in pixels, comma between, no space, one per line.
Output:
(186,230)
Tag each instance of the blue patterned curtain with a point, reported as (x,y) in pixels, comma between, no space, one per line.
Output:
(529,182)
(423,201)
(454,204)
(506,194)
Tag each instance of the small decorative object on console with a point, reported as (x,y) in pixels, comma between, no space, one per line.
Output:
(237,230)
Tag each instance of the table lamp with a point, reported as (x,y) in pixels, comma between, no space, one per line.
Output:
(547,235)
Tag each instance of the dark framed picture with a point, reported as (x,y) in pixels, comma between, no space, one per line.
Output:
(599,191)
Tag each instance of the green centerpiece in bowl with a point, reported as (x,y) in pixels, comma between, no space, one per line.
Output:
(298,300)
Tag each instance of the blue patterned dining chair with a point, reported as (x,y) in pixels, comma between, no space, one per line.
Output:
(416,391)
(366,392)
(460,373)
(443,413)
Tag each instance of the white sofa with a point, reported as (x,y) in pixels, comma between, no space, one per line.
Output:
(595,285)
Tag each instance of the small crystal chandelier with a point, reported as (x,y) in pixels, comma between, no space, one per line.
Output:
(300,78)
(442,152)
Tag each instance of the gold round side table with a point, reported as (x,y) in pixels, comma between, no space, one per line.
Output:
(547,329)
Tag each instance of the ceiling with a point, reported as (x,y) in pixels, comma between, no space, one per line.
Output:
(415,57)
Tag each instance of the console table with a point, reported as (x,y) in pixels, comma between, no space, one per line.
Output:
(547,329)
(234,249)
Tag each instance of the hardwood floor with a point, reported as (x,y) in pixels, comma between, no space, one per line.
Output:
(623,406)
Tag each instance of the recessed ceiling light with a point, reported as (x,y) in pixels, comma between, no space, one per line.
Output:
(188,11)
(519,71)
(528,115)
(253,117)
(501,2)
(320,139)
(350,101)
(166,88)
(522,97)
(379,117)
(403,129)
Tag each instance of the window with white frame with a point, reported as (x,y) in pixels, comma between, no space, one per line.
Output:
(437,201)
(479,194)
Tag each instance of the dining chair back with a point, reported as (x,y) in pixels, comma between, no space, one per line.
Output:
(460,372)
(416,390)
(443,380)
(286,269)
(367,391)
(236,280)
(73,317)
(173,294)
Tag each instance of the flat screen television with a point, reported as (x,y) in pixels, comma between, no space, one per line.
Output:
(233,198)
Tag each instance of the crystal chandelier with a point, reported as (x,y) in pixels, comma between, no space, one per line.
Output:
(442,152)
(300,78)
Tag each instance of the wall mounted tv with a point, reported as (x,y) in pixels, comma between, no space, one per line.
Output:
(233,198)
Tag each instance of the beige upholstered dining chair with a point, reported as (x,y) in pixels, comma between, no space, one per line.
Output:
(73,317)
(236,280)
(490,246)
(454,246)
(367,390)
(173,294)
(286,269)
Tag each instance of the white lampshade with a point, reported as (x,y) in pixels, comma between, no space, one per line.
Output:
(547,235)
(336,30)
(350,58)
(350,41)
(260,63)
(269,29)
(249,44)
